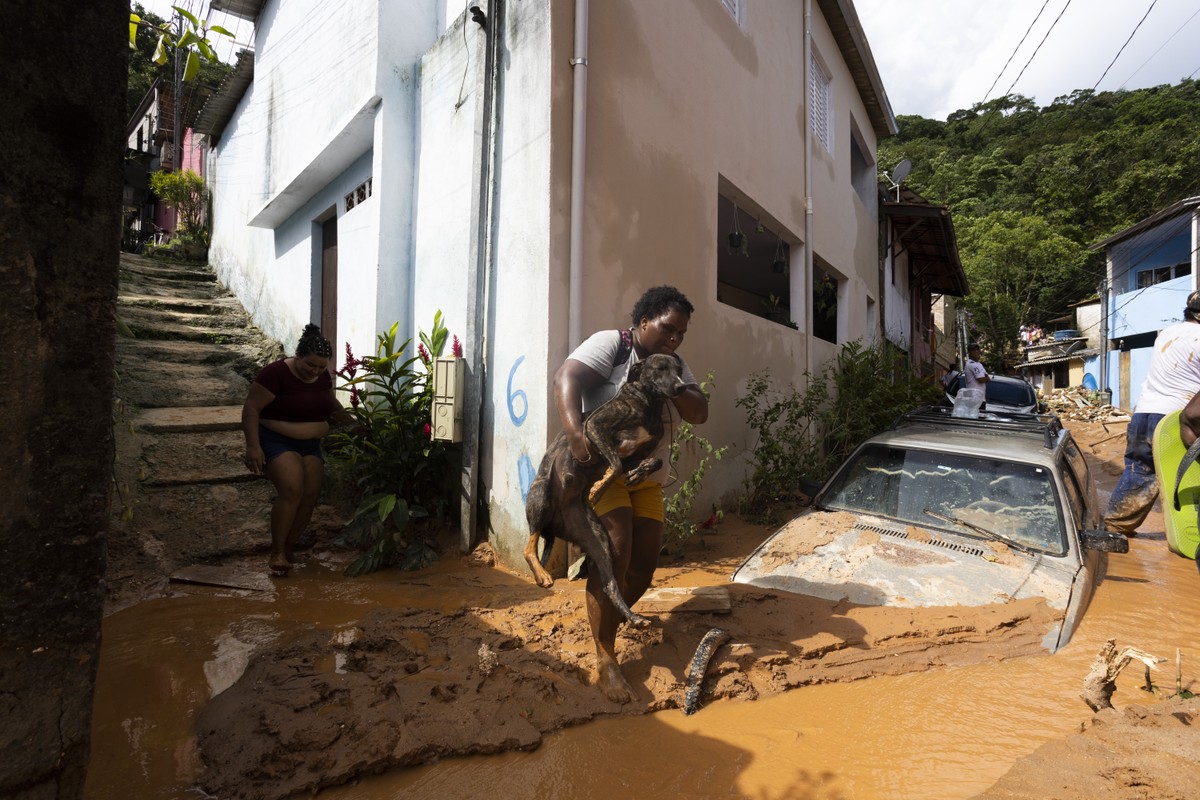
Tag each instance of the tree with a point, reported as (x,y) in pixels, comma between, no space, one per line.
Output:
(1020,271)
(188,195)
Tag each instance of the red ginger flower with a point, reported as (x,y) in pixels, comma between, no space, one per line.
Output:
(352,363)
(427,430)
(457,347)
(423,353)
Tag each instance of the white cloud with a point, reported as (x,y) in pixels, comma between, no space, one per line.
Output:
(938,56)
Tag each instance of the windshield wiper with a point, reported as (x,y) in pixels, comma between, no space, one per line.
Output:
(999,537)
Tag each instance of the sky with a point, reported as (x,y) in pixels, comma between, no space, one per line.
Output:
(939,56)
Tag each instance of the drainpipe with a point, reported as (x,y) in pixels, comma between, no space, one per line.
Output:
(481,257)
(808,202)
(578,135)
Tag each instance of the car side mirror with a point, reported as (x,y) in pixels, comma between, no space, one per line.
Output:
(1105,541)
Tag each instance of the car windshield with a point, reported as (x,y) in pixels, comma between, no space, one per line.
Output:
(1013,501)
(1012,394)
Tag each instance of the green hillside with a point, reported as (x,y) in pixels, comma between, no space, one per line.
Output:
(1030,188)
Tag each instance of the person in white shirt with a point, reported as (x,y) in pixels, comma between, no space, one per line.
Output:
(1171,382)
(974,376)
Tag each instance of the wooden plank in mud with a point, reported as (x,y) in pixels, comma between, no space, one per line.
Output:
(231,577)
(675,599)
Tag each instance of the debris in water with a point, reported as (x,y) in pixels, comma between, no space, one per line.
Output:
(695,674)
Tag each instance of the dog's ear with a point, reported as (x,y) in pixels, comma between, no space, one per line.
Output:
(635,371)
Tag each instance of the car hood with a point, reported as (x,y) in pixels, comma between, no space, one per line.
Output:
(868,560)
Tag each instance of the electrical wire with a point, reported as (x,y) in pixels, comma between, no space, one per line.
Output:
(988,93)
(1161,46)
(1127,41)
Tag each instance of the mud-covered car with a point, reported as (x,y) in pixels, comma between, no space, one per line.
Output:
(943,511)
(1003,393)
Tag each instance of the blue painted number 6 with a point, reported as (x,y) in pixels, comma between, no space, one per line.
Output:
(519,394)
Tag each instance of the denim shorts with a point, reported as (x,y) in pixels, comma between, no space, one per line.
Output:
(276,444)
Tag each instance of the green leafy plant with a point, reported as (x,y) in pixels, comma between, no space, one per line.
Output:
(399,472)
(785,449)
(678,508)
(187,193)
(803,436)
(190,44)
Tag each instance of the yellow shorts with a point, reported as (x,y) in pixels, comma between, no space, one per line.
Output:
(646,499)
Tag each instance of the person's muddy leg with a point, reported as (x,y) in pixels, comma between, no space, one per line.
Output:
(643,559)
(313,474)
(286,473)
(602,616)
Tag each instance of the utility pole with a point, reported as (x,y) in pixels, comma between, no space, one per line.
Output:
(1105,393)
(177,144)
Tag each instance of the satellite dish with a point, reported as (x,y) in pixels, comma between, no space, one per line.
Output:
(901,171)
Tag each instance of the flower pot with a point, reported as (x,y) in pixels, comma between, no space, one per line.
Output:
(779,267)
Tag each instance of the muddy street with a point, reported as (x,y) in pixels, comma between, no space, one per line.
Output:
(937,704)
(465,679)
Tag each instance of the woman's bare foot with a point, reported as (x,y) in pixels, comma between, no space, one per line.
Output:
(279,564)
(612,682)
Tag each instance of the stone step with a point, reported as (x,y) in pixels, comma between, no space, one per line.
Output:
(195,457)
(145,267)
(156,329)
(168,385)
(189,419)
(198,477)
(186,305)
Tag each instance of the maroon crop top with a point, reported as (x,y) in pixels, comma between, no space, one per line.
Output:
(295,400)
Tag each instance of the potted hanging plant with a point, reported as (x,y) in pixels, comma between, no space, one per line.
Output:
(779,266)
(737,239)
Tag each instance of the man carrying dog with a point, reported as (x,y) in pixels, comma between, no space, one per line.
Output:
(633,517)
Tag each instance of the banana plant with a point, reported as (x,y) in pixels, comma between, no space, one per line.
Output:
(193,41)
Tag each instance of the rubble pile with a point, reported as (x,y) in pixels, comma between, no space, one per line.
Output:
(1081,404)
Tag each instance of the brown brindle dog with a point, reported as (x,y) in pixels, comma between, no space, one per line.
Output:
(622,433)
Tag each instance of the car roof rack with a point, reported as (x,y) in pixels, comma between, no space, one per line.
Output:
(1047,426)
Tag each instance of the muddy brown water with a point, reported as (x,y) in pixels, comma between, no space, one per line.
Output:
(946,733)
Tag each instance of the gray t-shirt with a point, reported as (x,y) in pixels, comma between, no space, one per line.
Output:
(599,353)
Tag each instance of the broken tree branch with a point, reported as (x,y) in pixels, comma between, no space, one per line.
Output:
(1101,680)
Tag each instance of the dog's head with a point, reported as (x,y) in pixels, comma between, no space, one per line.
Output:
(659,375)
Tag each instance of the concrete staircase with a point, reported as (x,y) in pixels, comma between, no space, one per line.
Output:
(182,494)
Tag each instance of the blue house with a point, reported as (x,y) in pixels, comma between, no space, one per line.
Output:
(1151,270)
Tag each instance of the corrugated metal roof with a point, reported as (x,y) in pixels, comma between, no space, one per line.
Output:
(1042,362)
(246,9)
(926,232)
(218,109)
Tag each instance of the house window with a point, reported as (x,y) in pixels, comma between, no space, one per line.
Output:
(734,7)
(820,91)
(862,171)
(754,256)
(826,291)
(359,194)
(1149,277)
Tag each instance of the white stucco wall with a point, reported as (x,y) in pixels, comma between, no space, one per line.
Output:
(514,329)
(897,302)
(331,105)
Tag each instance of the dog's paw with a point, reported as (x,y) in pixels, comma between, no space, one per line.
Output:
(642,471)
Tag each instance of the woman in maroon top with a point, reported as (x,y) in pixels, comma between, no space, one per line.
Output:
(285,415)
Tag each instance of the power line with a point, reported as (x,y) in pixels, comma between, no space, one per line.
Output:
(1127,41)
(1039,47)
(1161,46)
(988,93)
